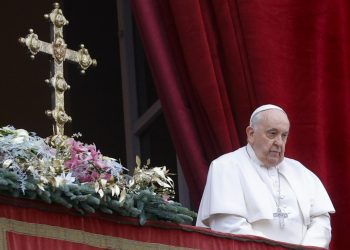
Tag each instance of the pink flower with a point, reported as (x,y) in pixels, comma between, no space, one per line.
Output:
(100,164)
(95,175)
(78,147)
(87,163)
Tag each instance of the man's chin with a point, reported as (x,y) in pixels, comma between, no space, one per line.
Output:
(274,162)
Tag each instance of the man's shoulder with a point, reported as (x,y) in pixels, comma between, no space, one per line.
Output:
(297,166)
(229,160)
(228,166)
(291,161)
(231,156)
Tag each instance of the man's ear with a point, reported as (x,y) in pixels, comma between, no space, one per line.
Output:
(250,132)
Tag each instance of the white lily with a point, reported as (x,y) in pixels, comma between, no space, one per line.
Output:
(103,183)
(41,186)
(101,193)
(7,163)
(17,140)
(44,179)
(122,195)
(22,133)
(115,190)
(97,186)
(21,136)
(64,179)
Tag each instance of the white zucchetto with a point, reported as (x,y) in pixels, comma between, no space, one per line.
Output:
(264,108)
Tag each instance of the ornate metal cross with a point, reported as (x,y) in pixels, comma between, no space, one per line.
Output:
(58,50)
(281,216)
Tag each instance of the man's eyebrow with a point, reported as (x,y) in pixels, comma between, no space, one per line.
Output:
(271,129)
(275,129)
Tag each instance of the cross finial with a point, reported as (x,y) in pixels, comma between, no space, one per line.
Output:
(59,52)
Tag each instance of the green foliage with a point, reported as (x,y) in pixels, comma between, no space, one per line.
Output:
(144,204)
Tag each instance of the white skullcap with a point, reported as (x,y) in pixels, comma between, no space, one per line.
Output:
(263,108)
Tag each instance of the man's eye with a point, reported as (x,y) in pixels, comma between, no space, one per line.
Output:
(271,134)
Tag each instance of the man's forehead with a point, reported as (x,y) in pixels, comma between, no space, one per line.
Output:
(274,114)
(274,119)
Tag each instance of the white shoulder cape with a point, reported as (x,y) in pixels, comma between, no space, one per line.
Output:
(234,187)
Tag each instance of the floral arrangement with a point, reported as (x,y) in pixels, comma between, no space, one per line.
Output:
(66,171)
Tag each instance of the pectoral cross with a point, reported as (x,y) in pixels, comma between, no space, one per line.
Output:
(59,52)
(281,216)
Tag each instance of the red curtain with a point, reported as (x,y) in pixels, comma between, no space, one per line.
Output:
(214,61)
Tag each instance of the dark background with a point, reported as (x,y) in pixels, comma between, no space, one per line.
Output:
(94,101)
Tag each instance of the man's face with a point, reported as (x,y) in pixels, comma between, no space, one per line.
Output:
(269,136)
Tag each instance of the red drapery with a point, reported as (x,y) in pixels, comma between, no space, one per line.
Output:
(214,61)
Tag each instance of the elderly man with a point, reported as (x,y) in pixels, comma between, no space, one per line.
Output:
(255,190)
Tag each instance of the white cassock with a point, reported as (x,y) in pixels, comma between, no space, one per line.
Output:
(242,197)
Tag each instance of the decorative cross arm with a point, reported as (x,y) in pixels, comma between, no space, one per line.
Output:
(58,50)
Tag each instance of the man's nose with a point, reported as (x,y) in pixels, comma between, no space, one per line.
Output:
(278,140)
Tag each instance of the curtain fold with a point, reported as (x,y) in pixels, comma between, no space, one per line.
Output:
(191,88)
(215,61)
